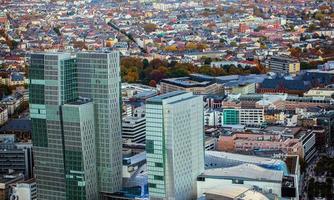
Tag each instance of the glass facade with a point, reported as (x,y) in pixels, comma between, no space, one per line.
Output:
(99,79)
(230,117)
(67,153)
(174,145)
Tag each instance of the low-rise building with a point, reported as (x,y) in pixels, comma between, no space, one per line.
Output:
(15,156)
(281,64)
(212,117)
(237,87)
(3,115)
(320,92)
(250,176)
(134,129)
(190,85)
(6,181)
(24,190)
(248,117)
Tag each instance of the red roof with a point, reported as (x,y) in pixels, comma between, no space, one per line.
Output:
(3,20)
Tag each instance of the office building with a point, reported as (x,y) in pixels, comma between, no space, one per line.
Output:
(80,152)
(24,190)
(248,117)
(174,145)
(230,117)
(268,181)
(99,79)
(6,181)
(252,117)
(281,64)
(62,86)
(15,156)
(190,84)
(133,129)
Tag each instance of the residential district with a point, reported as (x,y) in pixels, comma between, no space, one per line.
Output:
(166,99)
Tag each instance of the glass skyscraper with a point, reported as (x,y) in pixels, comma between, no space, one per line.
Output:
(80,156)
(174,145)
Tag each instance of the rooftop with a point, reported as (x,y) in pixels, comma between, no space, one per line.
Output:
(160,98)
(187,82)
(245,171)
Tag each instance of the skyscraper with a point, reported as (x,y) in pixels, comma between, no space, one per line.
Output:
(174,144)
(99,79)
(87,89)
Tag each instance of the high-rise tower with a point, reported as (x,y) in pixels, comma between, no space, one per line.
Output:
(174,145)
(78,156)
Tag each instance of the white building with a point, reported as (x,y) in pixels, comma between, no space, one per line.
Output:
(212,117)
(251,116)
(309,148)
(25,190)
(174,145)
(248,175)
(134,129)
(3,115)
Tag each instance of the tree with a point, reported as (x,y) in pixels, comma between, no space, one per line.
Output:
(207,61)
(295,52)
(156,63)
(4,90)
(129,62)
(234,70)
(152,83)
(57,30)
(178,72)
(191,46)
(306,65)
(131,77)
(150,27)
(319,16)
(233,44)
(171,48)
(312,27)
(157,75)
(145,63)
(201,46)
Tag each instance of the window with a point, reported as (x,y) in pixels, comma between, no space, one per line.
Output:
(160,178)
(237,181)
(158,165)
(150,146)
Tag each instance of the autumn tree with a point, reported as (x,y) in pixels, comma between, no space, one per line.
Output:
(150,27)
(191,46)
(295,52)
(202,46)
(171,48)
(152,83)
(131,77)
(156,63)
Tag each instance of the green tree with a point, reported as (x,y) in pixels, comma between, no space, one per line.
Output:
(233,44)
(312,27)
(5,90)
(57,30)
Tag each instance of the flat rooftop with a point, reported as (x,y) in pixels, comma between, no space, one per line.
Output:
(245,171)
(187,82)
(160,98)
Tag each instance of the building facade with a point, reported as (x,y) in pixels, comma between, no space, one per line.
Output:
(57,79)
(282,64)
(133,129)
(174,145)
(190,85)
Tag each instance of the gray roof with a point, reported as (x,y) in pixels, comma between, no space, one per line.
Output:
(245,172)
